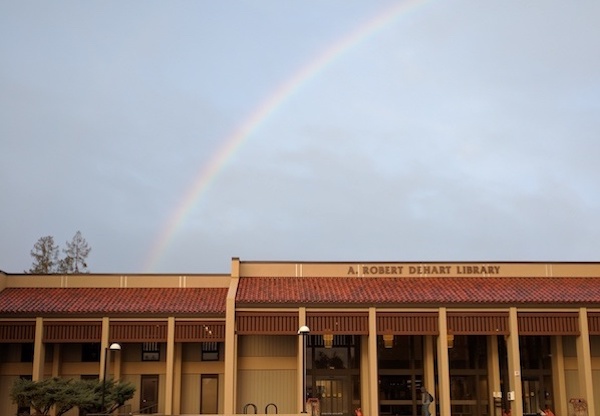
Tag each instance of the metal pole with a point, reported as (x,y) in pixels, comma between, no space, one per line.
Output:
(113,347)
(304,331)
(303,372)
(104,380)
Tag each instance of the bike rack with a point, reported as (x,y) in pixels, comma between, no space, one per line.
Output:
(253,406)
(269,405)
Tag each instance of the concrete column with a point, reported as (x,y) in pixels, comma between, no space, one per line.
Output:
(559,395)
(514,363)
(371,402)
(443,367)
(584,362)
(103,347)
(177,378)
(170,360)
(493,374)
(230,379)
(39,351)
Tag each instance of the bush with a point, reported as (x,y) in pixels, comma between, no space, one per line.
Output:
(64,394)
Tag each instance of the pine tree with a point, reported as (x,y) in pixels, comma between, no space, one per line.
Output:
(45,256)
(75,255)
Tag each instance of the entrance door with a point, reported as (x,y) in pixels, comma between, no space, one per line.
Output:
(532,402)
(149,394)
(334,395)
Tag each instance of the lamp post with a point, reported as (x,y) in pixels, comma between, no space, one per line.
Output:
(113,347)
(304,331)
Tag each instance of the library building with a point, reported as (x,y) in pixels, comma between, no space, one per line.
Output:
(318,338)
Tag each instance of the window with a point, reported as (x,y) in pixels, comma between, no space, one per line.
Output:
(26,353)
(210,351)
(90,353)
(150,351)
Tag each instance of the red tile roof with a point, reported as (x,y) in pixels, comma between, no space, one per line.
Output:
(407,291)
(324,291)
(112,301)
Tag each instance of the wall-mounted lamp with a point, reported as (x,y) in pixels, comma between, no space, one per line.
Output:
(388,340)
(450,340)
(328,340)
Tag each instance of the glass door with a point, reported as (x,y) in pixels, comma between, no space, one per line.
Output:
(333,395)
(531,397)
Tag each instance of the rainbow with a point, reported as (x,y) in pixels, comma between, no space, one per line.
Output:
(260,115)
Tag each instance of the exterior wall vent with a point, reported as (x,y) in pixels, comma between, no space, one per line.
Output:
(199,331)
(548,323)
(138,331)
(72,332)
(407,323)
(17,332)
(478,323)
(274,323)
(348,323)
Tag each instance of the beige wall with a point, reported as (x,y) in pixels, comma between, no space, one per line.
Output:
(372,269)
(267,373)
(112,280)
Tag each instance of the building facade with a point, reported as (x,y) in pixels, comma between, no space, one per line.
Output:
(317,337)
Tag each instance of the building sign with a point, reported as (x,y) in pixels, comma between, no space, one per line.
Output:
(404,270)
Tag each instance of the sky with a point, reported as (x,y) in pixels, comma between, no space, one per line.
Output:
(177,135)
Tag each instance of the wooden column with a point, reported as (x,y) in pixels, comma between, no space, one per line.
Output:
(514,363)
(371,402)
(39,351)
(584,362)
(443,366)
(170,360)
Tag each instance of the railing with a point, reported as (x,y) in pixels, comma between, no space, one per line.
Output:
(128,412)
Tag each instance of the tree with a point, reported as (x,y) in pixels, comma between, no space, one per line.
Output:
(115,396)
(75,255)
(45,256)
(65,394)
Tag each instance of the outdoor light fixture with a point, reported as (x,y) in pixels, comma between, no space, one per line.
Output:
(328,340)
(304,331)
(388,340)
(450,340)
(113,347)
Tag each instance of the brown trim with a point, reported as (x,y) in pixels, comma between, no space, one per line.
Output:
(17,332)
(544,323)
(138,331)
(199,331)
(478,323)
(407,323)
(594,323)
(279,323)
(348,323)
(72,331)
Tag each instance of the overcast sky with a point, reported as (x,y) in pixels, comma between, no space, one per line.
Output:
(177,135)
